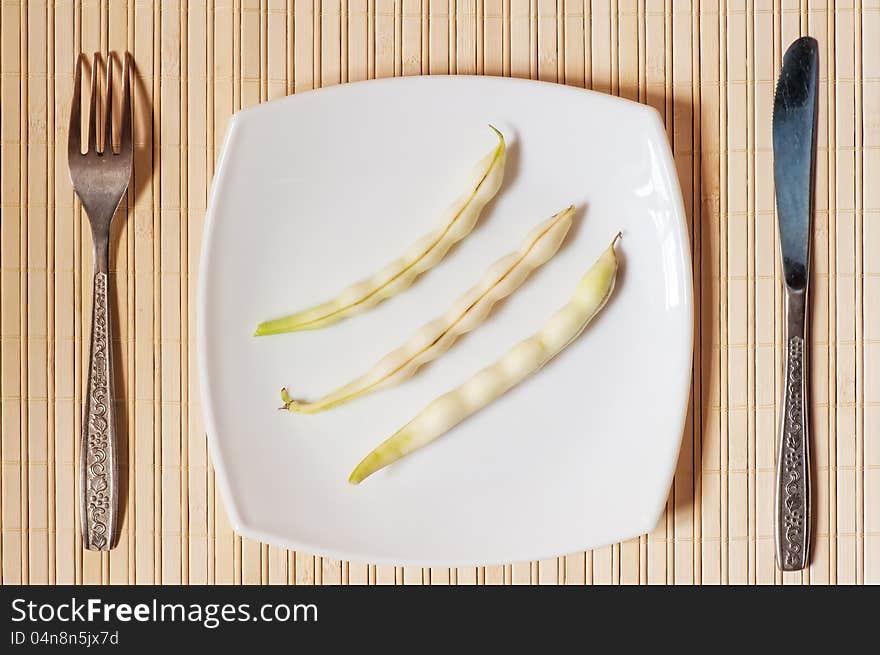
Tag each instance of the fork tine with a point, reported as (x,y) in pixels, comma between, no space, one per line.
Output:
(107,143)
(94,120)
(74,136)
(125,146)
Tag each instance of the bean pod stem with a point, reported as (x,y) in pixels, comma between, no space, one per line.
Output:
(525,358)
(433,339)
(459,219)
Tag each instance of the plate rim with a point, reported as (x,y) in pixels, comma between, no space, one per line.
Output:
(236,519)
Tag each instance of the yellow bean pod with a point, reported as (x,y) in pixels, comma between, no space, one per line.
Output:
(434,338)
(519,362)
(458,221)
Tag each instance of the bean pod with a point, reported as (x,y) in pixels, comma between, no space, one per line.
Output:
(459,219)
(519,362)
(436,337)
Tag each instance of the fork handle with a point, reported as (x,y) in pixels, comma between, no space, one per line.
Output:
(793,460)
(99,466)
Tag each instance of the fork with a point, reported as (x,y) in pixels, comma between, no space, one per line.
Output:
(100,178)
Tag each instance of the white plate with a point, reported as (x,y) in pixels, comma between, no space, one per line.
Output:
(316,191)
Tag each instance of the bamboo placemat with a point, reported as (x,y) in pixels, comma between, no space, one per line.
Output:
(707,65)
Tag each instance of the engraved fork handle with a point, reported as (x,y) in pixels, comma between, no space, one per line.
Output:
(98,468)
(793,459)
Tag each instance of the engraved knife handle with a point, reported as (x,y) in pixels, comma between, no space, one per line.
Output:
(98,466)
(793,458)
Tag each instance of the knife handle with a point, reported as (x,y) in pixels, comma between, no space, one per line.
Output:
(793,458)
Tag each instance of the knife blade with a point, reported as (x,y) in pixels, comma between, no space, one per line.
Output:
(795,114)
(795,110)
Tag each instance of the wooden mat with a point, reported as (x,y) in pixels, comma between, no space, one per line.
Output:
(707,65)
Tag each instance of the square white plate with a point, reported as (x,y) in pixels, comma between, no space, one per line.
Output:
(316,191)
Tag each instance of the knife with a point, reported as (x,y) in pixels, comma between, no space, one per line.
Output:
(795,109)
